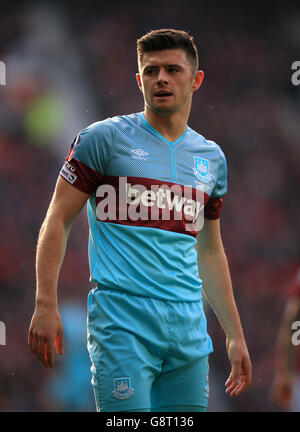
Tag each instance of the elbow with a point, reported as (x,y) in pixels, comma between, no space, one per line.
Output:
(54,224)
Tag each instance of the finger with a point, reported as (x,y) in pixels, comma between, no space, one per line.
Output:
(233,394)
(49,351)
(41,352)
(234,390)
(236,372)
(246,367)
(238,390)
(242,386)
(248,372)
(29,337)
(30,340)
(230,385)
(246,382)
(229,380)
(59,343)
(230,389)
(34,345)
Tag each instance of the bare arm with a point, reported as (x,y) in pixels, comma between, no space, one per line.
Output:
(217,286)
(46,328)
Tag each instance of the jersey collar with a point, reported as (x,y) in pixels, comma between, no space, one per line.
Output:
(155,132)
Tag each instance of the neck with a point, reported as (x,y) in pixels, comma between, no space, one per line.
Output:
(170,126)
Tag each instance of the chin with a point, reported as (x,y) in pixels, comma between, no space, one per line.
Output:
(161,110)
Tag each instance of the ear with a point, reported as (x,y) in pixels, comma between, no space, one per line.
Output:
(197,80)
(138,78)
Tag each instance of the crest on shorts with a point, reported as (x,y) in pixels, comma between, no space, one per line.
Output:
(122,388)
(201,169)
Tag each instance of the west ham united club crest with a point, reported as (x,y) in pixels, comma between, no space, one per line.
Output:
(122,388)
(201,169)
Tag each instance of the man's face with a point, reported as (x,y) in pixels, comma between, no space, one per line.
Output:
(167,80)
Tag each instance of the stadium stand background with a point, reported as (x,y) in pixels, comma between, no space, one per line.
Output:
(68,65)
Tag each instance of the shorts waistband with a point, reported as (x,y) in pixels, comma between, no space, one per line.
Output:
(107,290)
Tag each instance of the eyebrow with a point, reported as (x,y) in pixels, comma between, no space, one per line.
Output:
(164,65)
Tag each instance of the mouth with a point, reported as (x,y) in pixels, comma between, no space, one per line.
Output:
(162,94)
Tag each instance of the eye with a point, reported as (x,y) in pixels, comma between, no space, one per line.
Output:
(149,71)
(172,70)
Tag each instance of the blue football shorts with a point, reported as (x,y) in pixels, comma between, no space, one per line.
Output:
(147,354)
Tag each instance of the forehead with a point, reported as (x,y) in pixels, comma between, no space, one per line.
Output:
(165,57)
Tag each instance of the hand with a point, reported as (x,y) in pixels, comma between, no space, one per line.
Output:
(281,390)
(241,369)
(45,331)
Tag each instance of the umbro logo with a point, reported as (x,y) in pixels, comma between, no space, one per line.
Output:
(139,154)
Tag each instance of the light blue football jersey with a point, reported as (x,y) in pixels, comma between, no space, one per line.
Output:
(143,204)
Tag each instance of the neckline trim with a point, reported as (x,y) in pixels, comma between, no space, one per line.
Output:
(159,135)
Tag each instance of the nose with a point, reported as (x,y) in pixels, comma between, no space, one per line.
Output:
(162,77)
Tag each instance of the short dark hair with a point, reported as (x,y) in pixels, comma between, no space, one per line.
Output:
(158,40)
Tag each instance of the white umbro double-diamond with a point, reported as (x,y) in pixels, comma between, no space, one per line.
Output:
(139,152)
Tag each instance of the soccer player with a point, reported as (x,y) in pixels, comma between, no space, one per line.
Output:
(147,177)
(285,389)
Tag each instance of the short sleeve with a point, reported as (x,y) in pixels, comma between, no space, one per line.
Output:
(86,162)
(214,205)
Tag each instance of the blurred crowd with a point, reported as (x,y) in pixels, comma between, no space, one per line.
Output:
(67,67)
